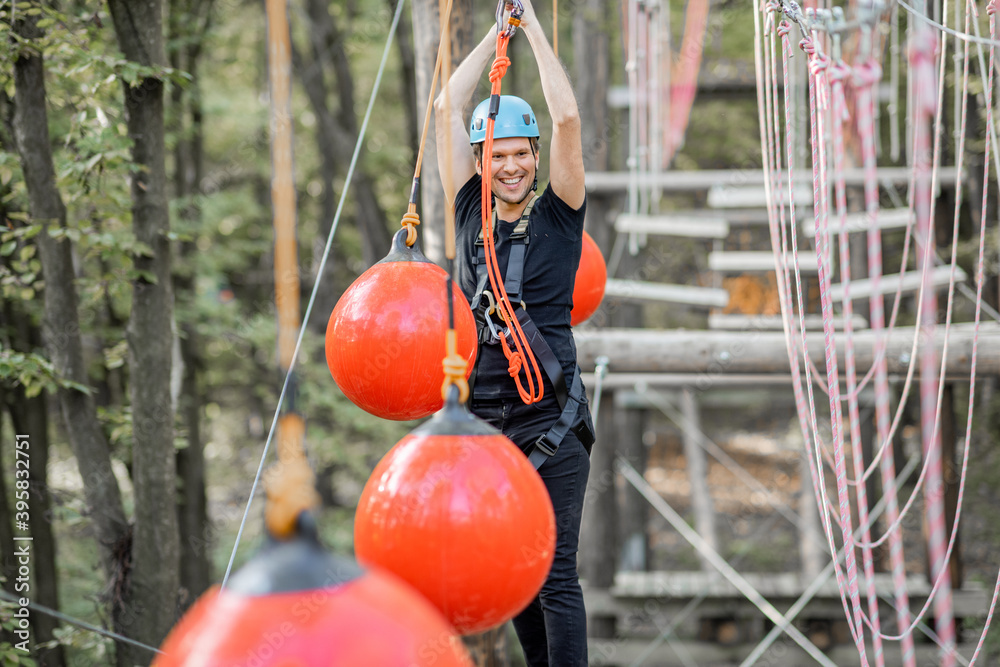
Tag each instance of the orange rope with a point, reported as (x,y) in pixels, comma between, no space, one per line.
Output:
(454,364)
(523,352)
(411,218)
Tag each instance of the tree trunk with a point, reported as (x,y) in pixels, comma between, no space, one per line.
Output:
(29,416)
(61,331)
(192,505)
(153,590)
(426,33)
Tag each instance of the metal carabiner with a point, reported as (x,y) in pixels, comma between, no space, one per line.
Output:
(509,27)
(497,334)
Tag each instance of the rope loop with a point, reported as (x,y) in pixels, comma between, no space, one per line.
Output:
(516,362)
(784,27)
(410,221)
(772,8)
(807,44)
(991,8)
(291,490)
(839,72)
(454,369)
(499,68)
(867,74)
(819,63)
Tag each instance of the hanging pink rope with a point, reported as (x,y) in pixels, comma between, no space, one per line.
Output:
(684,77)
(922,66)
(866,76)
(838,73)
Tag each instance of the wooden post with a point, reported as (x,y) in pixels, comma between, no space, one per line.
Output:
(717,354)
(701,498)
(600,517)
(635,508)
(950,478)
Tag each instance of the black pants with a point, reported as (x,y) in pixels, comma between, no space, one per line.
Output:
(553,628)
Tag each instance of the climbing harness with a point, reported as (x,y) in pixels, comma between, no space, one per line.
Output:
(492,332)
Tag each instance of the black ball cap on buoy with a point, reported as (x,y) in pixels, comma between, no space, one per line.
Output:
(298,564)
(295,604)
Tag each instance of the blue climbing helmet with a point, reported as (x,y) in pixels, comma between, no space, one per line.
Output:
(514,119)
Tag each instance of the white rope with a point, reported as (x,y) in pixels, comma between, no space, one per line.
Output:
(319,280)
(965,37)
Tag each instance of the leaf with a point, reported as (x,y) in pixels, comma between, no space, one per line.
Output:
(7,249)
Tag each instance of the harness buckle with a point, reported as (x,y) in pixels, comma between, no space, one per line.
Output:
(542,444)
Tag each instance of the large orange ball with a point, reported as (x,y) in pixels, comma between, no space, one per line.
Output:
(591,279)
(456,510)
(385,340)
(294,605)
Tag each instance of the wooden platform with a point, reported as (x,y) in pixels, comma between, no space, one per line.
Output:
(714,624)
(637,290)
(759,351)
(746,261)
(736,322)
(676,224)
(703,179)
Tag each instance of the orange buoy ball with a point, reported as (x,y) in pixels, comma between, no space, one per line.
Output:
(591,278)
(386,336)
(456,510)
(301,607)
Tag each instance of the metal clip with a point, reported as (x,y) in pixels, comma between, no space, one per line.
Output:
(509,27)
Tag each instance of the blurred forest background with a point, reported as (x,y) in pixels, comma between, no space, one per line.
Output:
(134,194)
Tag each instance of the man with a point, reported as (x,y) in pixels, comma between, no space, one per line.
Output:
(552,629)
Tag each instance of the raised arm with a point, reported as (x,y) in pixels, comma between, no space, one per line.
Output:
(451,119)
(566,173)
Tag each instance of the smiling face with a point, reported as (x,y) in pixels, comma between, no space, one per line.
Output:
(514,167)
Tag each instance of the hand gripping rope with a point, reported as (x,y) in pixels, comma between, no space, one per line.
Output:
(522,353)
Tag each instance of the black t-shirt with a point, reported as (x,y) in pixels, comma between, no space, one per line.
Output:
(550,263)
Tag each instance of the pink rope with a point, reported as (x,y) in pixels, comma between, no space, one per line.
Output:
(838,73)
(814,458)
(867,76)
(817,98)
(991,10)
(921,63)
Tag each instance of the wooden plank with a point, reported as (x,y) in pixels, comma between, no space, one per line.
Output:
(893,218)
(861,289)
(626,651)
(745,196)
(737,322)
(718,354)
(697,470)
(700,226)
(703,179)
(709,297)
(742,261)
